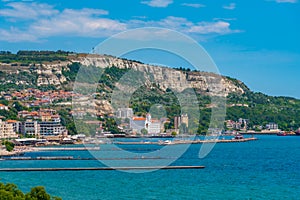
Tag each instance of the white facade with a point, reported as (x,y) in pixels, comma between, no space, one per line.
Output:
(7,130)
(124,113)
(272,126)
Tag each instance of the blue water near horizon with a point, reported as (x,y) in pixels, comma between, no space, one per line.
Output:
(268,168)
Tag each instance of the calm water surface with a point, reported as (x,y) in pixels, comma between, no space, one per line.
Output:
(265,169)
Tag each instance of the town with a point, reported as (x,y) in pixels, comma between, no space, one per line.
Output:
(38,123)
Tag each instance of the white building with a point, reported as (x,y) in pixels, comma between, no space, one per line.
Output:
(30,128)
(152,126)
(7,130)
(124,113)
(51,128)
(3,107)
(272,126)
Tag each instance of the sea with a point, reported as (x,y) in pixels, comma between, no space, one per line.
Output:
(268,168)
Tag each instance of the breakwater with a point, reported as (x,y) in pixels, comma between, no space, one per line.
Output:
(98,168)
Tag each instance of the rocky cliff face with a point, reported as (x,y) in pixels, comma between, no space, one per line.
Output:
(52,74)
(210,83)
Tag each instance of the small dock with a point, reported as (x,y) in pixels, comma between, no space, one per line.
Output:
(98,168)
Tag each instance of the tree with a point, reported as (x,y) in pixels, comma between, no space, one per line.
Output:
(144,131)
(9,145)
(11,192)
(37,193)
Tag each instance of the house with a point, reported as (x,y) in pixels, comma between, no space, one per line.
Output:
(272,126)
(3,107)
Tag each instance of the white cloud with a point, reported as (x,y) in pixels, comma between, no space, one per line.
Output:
(43,21)
(231,6)
(194,5)
(286,1)
(15,35)
(84,22)
(49,22)
(219,27)
(158,3)
(185,26)
(22,10)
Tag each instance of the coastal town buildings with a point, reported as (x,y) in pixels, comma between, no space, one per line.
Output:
(241,124)
(45,122)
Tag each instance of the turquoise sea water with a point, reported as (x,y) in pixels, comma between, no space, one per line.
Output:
(268,168)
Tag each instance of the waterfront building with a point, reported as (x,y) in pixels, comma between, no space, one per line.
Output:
(272,126)
(15,124)
(7,130)
(30,127)
(51,128)
(154,127)
(137,124)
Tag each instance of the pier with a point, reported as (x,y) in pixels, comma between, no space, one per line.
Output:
(66,149)
(78,158)
(97,168)
(190,141)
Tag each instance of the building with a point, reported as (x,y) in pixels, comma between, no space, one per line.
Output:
(272,126)
(30,127)
(237,125)
(137,124)
(3,107)
(178,120)
(124,113)
(153,126)
(15,124)
(51,128)
(7,130)
(185,120)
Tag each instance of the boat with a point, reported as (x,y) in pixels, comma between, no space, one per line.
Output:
(239,137)
(281,133)
(166,142)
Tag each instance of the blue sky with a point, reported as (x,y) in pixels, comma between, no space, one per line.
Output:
(255,41)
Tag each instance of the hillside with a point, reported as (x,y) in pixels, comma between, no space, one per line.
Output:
(58,70)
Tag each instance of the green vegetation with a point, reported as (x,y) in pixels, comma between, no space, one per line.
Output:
(11,192)
(8,145)
(263,109)
(72,72)
(28,57)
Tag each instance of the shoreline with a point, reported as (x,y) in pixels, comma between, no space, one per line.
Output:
(20,151)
